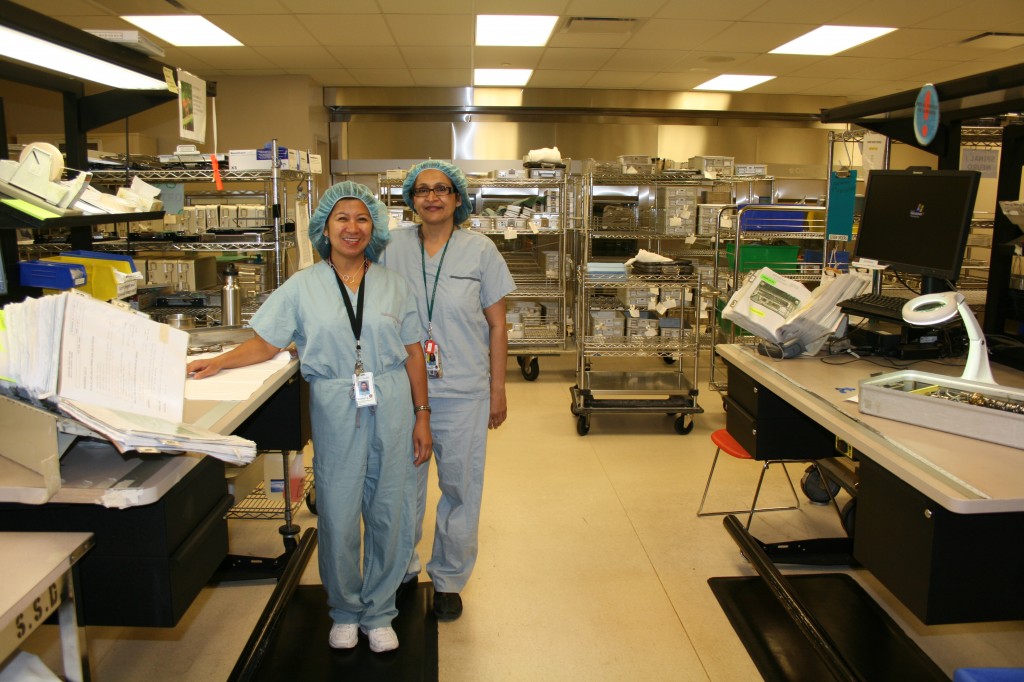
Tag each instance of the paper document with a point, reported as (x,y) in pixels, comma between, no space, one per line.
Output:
(784,311)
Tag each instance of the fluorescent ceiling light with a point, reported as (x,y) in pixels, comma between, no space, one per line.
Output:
(733,82)
(184,30)
(506,77)
(826,40)
(522,30)
(31,50)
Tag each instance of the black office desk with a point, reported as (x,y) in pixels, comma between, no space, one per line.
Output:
(939,516)
(149,562)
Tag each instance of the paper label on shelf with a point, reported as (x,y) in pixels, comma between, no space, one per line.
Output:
(726,221)
(510,232)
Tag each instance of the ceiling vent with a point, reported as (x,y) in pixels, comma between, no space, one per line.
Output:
(609,25)
(995,41)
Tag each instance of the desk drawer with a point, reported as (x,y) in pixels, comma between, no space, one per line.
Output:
(946,567)
(777,437)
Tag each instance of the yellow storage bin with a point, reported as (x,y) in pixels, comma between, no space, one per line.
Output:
(107,277)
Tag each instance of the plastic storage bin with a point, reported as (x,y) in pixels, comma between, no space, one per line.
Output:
(49,275)
(773,221)
(782,258)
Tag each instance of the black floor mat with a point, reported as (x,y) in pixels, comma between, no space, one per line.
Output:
(299,651)
(864,634)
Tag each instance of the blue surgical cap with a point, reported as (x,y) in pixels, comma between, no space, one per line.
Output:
(379,237)
(454,174)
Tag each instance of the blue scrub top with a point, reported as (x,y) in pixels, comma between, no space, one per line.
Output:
(474,276)
(308,309)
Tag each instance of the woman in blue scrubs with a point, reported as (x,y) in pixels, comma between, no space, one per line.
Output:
(358,337)
(459,281)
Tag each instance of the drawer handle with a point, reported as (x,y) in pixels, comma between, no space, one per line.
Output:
(755,390)
(927,513)
(753,432)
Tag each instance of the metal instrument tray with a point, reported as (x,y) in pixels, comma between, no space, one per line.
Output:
(913,397)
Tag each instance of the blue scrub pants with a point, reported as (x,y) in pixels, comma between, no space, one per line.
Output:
(363,472)
(459,429)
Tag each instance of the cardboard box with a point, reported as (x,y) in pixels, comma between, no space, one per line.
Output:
(260,159)
(273,476)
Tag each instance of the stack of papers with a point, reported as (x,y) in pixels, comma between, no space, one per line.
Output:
(115,370)
(131,431)
(784,311)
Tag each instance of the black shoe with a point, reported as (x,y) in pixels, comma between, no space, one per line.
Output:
(447,605)
(407,587)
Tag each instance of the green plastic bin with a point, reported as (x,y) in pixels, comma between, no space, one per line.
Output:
(782,258)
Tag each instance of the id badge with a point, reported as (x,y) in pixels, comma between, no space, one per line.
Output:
(432,354)
(362,387)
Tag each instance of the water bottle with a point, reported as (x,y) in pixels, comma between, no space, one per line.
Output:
(230,299)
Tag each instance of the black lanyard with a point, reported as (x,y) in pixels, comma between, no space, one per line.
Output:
(355,317)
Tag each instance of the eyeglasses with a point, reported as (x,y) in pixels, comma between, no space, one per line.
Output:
(439,191)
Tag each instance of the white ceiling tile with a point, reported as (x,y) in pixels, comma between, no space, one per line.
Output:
(382,77)
(780,64)
(788,85)
(908,42)
(618,79)
(919,70)
(229,57)
(727,10)
(442,78)
(259,30)
(588,40)
(541,7)
(58,9)
(574,59)
(1008,15)
(209,7)
(417,6)
(348,30)
(299,57)
(642,60)
(431,29)
(252,73)
(754,36)
(803,11)
(849,86)
(901,14)
(676,81)
(438,57)
(381,57)
(560,79)
(332,77)
(613,8)
(841,67)
(506,57)
(711,62)
(675,34)
(348,8)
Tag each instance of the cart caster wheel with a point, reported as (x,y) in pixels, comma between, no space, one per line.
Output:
(311,500)
(583,425)
(684,425)
(521,360)
(849,513)
(531,369)
(815,490)
(575,410)
(668,359)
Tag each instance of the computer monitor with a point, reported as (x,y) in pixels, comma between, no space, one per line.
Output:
(917,222)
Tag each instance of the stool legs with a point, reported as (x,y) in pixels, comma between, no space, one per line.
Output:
(757,491)
(707,486)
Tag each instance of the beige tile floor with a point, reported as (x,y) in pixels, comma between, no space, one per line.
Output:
(593,563)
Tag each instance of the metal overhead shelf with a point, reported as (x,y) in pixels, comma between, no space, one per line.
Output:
(112,177)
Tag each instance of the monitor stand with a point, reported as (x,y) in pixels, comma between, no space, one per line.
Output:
(905,342)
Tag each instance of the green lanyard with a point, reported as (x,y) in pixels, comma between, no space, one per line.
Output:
(433,294)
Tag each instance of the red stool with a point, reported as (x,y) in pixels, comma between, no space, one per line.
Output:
(726,443)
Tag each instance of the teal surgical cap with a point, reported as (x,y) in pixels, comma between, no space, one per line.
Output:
(380,236)
(457,177)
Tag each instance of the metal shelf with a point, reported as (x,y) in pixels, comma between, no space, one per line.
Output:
(109,177)
(257,506)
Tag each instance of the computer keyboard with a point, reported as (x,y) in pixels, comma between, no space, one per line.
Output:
(875,306)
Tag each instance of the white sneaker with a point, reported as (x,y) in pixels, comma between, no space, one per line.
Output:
(382,639)
(344,635)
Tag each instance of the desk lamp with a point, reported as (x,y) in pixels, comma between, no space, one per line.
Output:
(937,308)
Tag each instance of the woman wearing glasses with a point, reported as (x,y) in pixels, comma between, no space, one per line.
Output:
(459,281)
(358,337)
